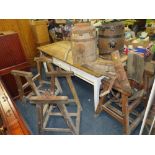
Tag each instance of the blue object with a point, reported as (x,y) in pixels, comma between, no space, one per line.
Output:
(140,50)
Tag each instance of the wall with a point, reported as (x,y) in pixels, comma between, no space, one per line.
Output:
(23,28)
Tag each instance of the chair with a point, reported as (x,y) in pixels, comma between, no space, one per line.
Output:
(46,100)
(122,98)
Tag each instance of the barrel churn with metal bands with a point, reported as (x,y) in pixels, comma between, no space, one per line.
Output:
(111,37)
(83,43)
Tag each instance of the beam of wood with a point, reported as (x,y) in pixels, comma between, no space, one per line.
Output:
(116,116)
(77,101)
(43,59)
(120,72)
(115,110)
(125,112)
(60,73)
(134,104)
(27,84)
(39,109)
(19,85)
(39,69)
(137,121)
(109,87)
(21,73)
(59,114)
(47,98)
(67,118)
(51,69)
(57,129)
(46,114)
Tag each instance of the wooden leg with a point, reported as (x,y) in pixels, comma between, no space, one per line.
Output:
(39,69)
(77,101)
(50,68)
(67,118)
(99,106)
(102,99)
(39,109)
(52,85)
(72,88)
(125,112)
(20,87)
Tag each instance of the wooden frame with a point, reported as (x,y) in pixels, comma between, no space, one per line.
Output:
(44,103)
(122,86)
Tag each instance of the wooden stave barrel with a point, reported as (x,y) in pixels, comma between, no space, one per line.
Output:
(83,37)
(111,38)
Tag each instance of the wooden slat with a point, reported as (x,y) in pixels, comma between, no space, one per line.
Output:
(59,114)
(134,104)
(21,73)
(115,110)
(27,84)
(57,129)
(137,121)
(116,116)
(60,74)
(47,98)
(125,112)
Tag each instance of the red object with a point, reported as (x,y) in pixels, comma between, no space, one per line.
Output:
(11,57)
(126,51)
(13,122)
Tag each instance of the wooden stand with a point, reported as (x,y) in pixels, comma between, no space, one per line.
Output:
(121,104)
(46,100)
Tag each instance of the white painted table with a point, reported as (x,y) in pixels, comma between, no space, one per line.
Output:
(80,72)
(58,52)
(95,81)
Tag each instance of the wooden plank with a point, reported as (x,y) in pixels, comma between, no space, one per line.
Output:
(51,69)
(113,114)
(47,98)
(21,73)
(137,121)
(115,110)
(39,109)
(67,118)
(125,112)
(120,72)
(57,129)
(59,114)
(77,101)
(20,88)
(134,104)
(60,73)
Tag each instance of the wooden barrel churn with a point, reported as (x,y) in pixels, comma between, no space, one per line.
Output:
(111,37)
(83,40)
